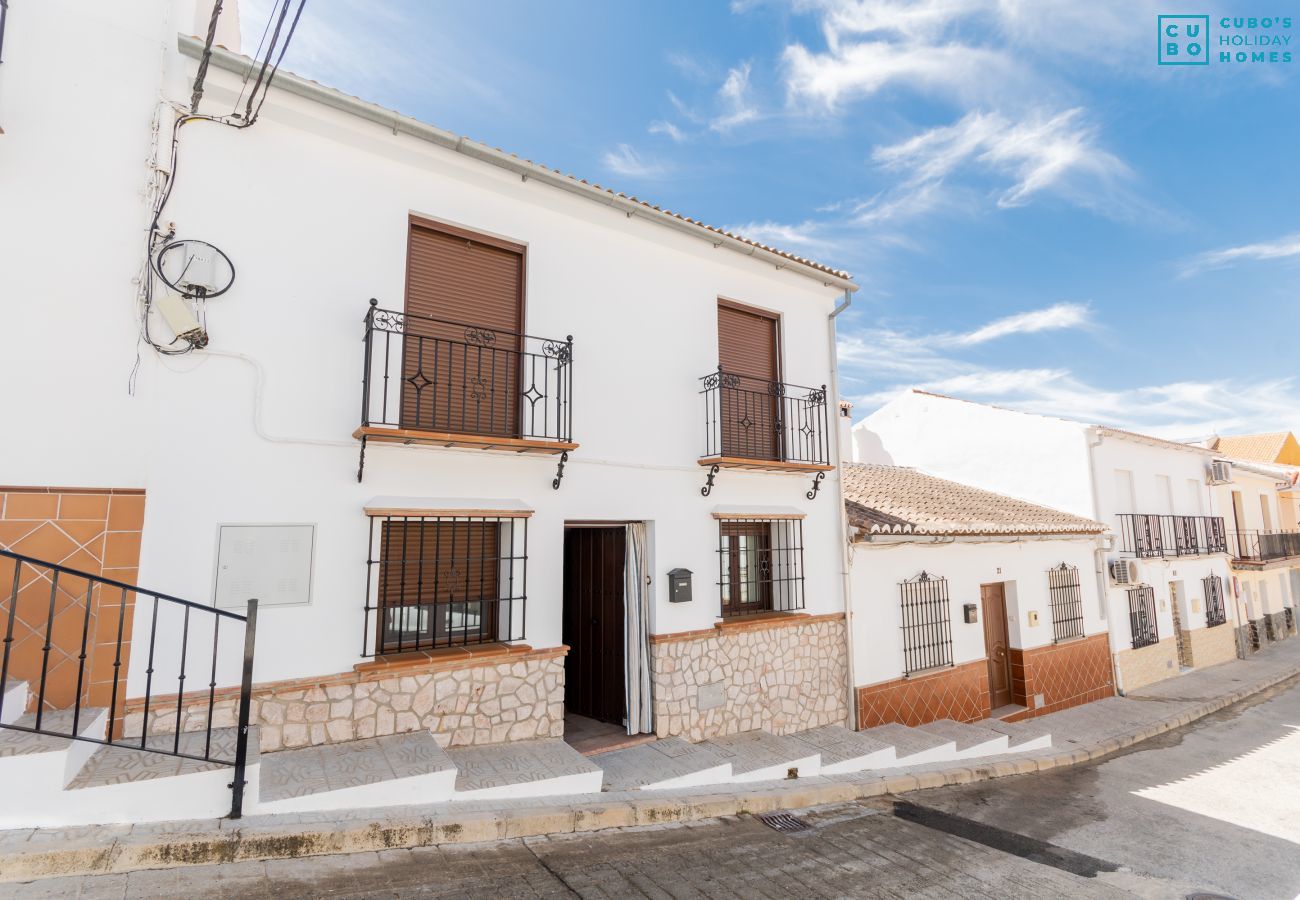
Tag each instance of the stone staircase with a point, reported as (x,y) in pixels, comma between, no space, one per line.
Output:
(60,782)
(830,750)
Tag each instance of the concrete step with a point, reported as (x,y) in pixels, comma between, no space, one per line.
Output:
(843,751)
(1026,735)
(912,746)
(522,769)
(14,703)
(125,762)
(383,771)
(763,756)
(970,740)
(667,763)
(89,722)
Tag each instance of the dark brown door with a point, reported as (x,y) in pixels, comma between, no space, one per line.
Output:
(746,567)
(996,644)
(437,584)
(749,402)
(464,316)
(594,670)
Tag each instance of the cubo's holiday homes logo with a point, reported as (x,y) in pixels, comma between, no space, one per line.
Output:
(1186,40)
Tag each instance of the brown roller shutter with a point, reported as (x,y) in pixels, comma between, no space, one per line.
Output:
(441,572)
(461,372)
(749,407)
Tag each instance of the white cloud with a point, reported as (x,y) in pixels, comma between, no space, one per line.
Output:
(1038,154)
(624,160)
(734,97)
(876,364)
(1053,318)
(1282,248)
(804,237)
(667,128)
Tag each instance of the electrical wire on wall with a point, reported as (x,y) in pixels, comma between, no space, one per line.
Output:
(161,238)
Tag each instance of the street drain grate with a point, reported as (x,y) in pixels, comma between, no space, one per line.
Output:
(784,822)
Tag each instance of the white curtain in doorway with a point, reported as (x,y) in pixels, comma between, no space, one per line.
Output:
(636,633)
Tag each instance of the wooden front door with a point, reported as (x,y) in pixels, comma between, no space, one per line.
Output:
(749,401)
(594,670)
(463,332)
(994,602)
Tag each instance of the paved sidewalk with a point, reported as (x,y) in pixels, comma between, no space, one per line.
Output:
(1079,734)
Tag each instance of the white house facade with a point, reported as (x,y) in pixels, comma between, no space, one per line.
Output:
(969,604)
(1165,574)
(488,443)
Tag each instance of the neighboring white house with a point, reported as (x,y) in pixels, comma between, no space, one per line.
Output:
(1264,547)
(1165,574)
(968,603)
(598,437)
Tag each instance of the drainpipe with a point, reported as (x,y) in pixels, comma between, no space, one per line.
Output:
(1099,555)
(843,537)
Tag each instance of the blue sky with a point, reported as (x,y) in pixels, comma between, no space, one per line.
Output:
(1038,214)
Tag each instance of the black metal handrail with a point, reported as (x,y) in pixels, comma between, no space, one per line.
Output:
(70,602)
(752,418)
(439,375)
(1264,546)
(1147,535)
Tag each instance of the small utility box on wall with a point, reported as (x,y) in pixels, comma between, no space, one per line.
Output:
(971,613)
(1033,618)
(270,562)
(679,586)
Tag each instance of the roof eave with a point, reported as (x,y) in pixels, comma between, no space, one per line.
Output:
(295,84)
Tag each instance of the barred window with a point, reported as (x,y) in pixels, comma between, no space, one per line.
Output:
(927,623)
(1066,596)
(1214,611)
(445,580)
(1142,616)
(760,565)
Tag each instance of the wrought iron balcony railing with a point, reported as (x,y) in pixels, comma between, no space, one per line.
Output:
(1152,536)
(754,419)
(435,375)
(1264,546)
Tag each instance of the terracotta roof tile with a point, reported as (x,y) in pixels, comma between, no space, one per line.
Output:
(1259,447)
(898,500)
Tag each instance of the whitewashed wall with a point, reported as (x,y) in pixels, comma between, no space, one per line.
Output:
(1036,458)
(312,206)
(879,567)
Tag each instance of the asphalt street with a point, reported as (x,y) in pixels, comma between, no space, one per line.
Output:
(1210,808)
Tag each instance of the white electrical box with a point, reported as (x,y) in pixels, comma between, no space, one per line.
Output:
(270,562)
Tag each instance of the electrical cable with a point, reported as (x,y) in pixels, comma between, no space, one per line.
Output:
(166,181)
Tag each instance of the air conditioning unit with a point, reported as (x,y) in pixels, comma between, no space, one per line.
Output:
(1124,571)
(1220,472)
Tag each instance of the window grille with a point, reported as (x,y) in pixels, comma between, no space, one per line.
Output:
(1142,616)
(927,623)
(1066,595)
(1214,611)
(760,566)
(441,581)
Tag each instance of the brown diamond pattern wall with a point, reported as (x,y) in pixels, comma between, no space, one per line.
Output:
(960,693)
(1067,674)
(90,530)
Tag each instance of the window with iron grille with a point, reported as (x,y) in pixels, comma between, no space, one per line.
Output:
(1214,611)
(760,566)
(1066,595)
(1142,616)
(927,623)
(445,580)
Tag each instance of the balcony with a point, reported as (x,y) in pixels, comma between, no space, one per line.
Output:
(451,384)
(772,426)
(1149,536)
(1264,546)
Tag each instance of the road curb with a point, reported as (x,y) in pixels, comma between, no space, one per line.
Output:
(232,843)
